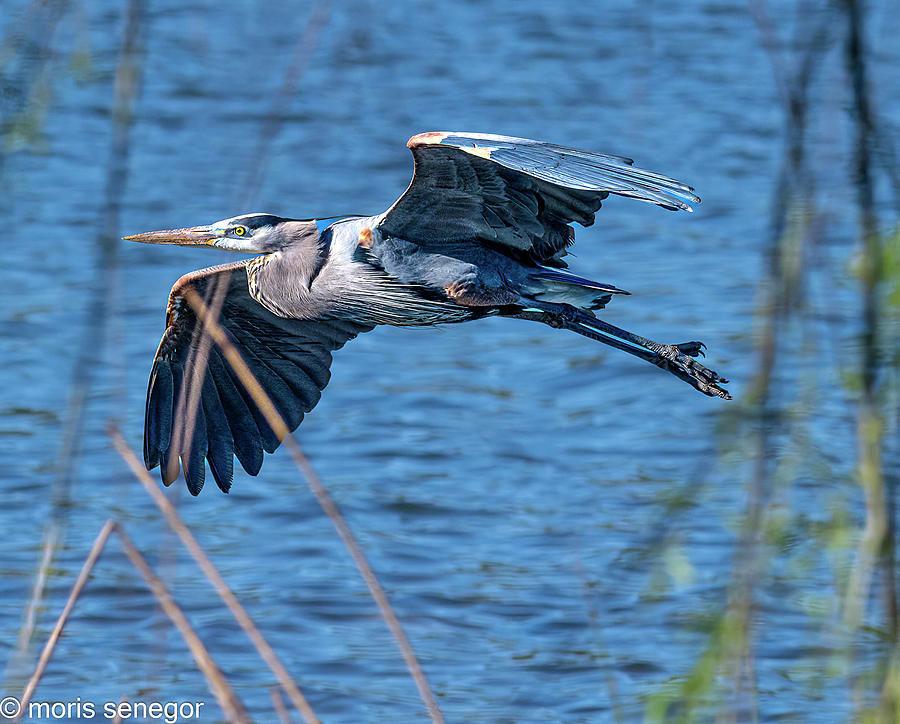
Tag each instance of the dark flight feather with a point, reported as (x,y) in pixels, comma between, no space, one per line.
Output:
(290,358)
(514,194)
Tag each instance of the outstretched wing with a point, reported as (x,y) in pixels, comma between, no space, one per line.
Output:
(516,193)
(197,406)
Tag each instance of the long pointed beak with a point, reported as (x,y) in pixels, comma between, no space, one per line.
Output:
(193,236)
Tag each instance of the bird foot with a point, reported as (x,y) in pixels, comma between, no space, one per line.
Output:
(677,358)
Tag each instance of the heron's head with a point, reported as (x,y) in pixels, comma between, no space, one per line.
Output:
(250,233)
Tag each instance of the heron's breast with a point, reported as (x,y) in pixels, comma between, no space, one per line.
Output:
(283,285)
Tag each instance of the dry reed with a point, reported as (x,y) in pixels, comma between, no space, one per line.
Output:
(230,703)
(278,705)
(215,578)
(276,422)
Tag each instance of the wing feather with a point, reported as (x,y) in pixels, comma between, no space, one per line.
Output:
(244,432)
(517,194)
(159,409)
(220,442)
(192,458)
(290,358)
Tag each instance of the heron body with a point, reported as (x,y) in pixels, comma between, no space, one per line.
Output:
(482,230)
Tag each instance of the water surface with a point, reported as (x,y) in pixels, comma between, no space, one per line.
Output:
(555,522)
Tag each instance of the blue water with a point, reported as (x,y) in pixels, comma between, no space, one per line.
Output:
(516,488)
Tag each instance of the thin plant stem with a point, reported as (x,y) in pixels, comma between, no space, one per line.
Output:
(276,422)
(229,702)
(303,51)
(278,705)
(189,397)
(80,582)
(126,89)
(215,578)
(40,581)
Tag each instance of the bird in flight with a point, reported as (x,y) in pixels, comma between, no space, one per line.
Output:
(482,229)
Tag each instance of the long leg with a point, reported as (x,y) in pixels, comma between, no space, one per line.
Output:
(674,358)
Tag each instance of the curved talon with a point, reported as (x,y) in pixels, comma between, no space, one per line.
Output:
(675,359)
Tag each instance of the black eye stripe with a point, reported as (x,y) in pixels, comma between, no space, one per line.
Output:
(256,221)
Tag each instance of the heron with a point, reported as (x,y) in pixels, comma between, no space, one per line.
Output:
(482,230)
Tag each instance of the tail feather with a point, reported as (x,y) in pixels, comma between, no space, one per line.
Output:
(559,286)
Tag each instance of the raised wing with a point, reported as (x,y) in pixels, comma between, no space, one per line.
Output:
(515,192)
(197,406)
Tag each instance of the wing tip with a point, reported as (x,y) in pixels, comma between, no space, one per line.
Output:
(691,199)
(669,193)
(428,138)
(677,200)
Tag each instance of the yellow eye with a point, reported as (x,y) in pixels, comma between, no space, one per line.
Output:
(240,230)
